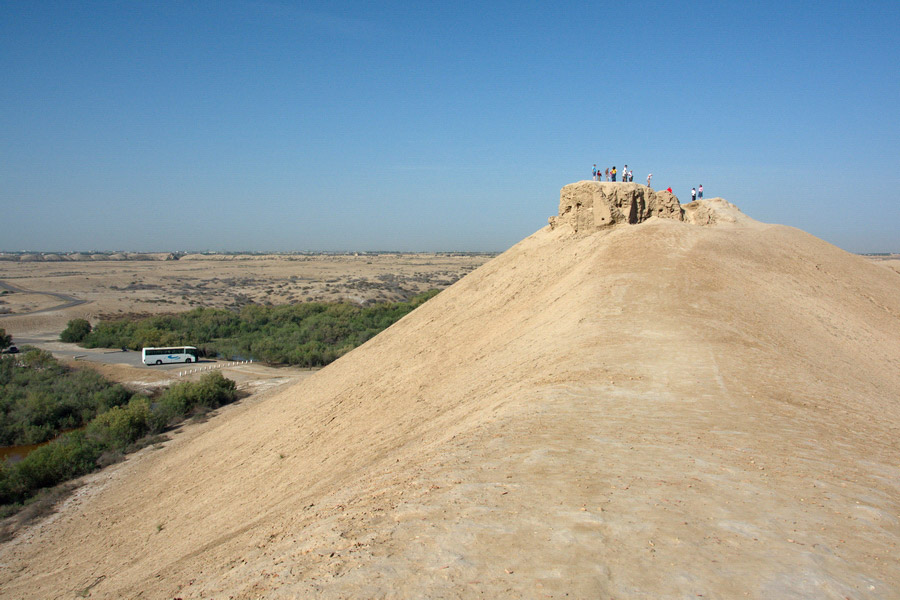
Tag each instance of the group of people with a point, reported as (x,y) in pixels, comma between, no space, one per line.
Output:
(697,193)
(611,173)
(628,175)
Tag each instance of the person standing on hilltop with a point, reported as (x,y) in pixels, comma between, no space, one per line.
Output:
(594,172)
(612,172)
(700,192)
(625,173)
(630,176)
(693,194)
(607,173)
(649,177)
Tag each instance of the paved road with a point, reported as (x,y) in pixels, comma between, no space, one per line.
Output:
(110,357)
(68,301)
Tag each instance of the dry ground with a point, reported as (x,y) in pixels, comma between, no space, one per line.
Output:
(890,261)
(652,411)
(250,378)
(131,286)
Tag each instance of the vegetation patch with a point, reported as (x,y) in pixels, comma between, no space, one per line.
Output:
(309,334)
(118,423)
(40,398)
(75,331)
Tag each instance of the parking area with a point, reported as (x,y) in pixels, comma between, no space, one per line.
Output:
(105,356)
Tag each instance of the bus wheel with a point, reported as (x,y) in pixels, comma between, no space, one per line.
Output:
(159,362)
(187,360)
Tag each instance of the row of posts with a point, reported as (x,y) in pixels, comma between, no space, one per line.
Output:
(215,366)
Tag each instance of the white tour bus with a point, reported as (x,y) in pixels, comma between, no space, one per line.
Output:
(177,354)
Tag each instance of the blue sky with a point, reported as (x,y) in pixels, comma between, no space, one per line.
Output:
(408,126)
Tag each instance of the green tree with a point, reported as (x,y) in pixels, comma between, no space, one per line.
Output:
(5,340)
(75,331)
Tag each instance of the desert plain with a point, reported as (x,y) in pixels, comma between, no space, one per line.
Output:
(640,400)
(114,285)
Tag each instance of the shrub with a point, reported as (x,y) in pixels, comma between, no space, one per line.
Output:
(66,457)
(40,398)
(39,359)
(121,426)
(76,330)
(213,390)
(34,405)
(164,413)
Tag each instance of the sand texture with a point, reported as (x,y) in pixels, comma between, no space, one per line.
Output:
(670,409)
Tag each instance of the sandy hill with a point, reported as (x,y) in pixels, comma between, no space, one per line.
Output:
(651,410)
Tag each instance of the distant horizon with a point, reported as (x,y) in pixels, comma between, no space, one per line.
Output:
(300,252)
(250,252)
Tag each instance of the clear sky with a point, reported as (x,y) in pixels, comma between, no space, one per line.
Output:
(161,125)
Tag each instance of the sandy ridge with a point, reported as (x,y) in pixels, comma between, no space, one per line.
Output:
(657,410)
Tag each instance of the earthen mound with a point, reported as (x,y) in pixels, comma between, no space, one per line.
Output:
(714,211)
(657,410)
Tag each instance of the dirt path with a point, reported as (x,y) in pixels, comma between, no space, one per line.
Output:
(67,301)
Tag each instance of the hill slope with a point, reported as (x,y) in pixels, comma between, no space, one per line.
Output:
(649,410)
